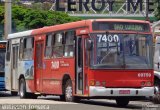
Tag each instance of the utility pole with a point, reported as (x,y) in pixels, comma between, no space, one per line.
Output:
(8,19)
(147,4)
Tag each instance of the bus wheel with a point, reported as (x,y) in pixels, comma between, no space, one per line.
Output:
(62,97)
(69,91)
(22,88)
(31,95)
(122,102)
(14,93)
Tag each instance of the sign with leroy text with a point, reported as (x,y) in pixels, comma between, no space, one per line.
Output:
(100,5)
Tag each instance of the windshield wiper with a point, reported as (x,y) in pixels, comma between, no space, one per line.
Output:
(105,55)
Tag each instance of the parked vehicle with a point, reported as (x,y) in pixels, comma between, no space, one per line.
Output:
(2,64)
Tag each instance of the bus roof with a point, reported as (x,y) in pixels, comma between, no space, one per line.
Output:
(20,34)
(122,20)
(71,25)
(1,41)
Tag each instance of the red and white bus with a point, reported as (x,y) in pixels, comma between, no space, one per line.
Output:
(104,58)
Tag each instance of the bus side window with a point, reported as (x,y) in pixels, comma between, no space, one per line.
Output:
(28,45)
(69,44)
(48,48)
(80,53)
(86,52)
(8,51)
(21,49)
(58,45)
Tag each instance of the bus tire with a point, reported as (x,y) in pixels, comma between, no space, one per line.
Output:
(77,99)
(22,88)
(122,102)
(62,97)
(31,95)
(14,93)
(69,91)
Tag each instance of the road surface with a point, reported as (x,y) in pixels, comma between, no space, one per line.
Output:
(53,103)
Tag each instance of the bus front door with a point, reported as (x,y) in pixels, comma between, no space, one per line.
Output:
(14,75)
(79,66)
(39,65)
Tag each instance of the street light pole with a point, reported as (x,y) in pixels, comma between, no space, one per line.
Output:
(147,3)
(8,19)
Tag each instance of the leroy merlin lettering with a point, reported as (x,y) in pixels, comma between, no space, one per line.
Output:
(80,5)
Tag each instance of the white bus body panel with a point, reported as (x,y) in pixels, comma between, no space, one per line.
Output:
(12,76)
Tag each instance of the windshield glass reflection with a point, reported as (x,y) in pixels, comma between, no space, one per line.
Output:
(132,51)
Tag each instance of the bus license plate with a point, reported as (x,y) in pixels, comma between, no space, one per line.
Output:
(124,91)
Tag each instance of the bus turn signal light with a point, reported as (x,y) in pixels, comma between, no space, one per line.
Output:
(92,83)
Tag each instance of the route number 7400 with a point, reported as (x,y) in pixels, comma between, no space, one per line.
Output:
(108,38)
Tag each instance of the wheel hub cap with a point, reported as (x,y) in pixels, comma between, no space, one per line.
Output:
(21,90)
(69,92)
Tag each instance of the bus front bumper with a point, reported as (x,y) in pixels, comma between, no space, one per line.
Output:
(102,91)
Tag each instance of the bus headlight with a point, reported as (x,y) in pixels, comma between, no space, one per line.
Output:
(103,83)
(142,83)
(148,83)
(97,83)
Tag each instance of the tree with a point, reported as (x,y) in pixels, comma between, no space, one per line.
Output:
(157,14)
(25,18)
(1,21)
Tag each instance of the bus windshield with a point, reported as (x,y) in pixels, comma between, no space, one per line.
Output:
(121,51)
(2,60)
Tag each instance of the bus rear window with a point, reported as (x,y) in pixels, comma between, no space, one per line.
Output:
(121,26)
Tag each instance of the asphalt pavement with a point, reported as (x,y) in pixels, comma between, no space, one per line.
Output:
(54,103)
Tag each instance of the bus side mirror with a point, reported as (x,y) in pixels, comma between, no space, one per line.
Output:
(89,45)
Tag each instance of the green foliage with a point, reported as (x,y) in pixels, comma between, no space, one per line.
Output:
(25,18)
(1,14)
(157,13)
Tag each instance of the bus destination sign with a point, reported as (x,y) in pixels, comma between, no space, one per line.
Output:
(121,26)
(128,27)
